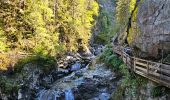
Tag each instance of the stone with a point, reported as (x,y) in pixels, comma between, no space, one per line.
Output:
(76,66)
(150,31)
(104,96)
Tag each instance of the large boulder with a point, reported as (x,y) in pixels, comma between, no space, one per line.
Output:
(149,32)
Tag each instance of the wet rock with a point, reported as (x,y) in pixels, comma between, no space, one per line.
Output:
(96,76)
(82,84)
(104,96)
(48,79)
(79,73)
(98,49)
(76,66)
(63,70)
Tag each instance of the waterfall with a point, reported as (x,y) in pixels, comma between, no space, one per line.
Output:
(69,95)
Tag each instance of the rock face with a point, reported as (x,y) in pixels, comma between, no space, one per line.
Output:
(149,31)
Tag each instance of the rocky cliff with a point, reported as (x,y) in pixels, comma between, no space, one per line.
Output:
(148,31)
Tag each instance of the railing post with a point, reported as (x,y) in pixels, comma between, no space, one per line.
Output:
(147,67)
(134,64)
(121,53)
(160,71)
(126,60)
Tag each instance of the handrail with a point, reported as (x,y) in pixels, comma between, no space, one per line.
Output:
(154,71)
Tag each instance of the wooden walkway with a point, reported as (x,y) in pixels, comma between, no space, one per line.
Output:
(155,71)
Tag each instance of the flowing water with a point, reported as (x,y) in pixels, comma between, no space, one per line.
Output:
(97,83)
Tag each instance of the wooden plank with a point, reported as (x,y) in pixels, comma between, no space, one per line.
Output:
(161,76)
(140,73)
(160,69)
(142,69)
(165,66)
(139,59)
(124,60)
(139,65)
(134,64)
(142,64)
(165,83)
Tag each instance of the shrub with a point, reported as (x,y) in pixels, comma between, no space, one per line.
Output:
(8,86)
(46,63)
(158,91)
(110,59)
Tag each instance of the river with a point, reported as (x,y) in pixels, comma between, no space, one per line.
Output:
(95,82)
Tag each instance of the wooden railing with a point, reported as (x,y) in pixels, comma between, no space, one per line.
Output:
(154,71)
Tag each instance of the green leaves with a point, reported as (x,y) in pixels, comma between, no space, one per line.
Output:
(44,26)
(75,18)
(110,59)
(2,40)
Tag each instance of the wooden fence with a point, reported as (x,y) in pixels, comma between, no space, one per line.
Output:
(154,71)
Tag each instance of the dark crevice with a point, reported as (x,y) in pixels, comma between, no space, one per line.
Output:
(130,19)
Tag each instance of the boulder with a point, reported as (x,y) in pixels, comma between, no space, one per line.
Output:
(76,66)
(149,32)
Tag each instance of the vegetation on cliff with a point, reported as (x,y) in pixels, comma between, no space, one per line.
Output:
(46,29)
(46,26)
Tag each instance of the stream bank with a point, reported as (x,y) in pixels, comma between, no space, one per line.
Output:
(75,77)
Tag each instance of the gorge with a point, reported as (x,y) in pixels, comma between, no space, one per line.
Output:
(69,49)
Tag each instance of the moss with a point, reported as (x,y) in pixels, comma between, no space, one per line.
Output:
(130,85)
(132,5)
(130,36)
(119,93)
(110,59)
(134,15)
(106,28)
(134,29)
(46,63)
(134,32)
(8,85)
(159,91)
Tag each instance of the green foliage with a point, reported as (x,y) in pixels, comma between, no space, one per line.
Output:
(75,22)
(105,26)
(46,63)
(8,86)
(110,59)
(122,11)
(130,86)
(118,94)
(46,26)
(158,91)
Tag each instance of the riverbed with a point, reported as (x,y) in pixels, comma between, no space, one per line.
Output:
(89,83)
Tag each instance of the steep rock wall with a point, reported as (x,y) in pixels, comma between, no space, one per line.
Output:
(149,30)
